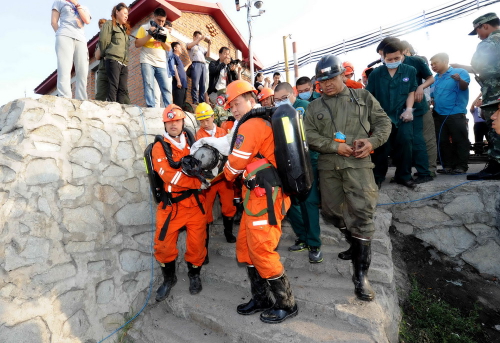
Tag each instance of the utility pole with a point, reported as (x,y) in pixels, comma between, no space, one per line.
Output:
(295,62)
(286,58)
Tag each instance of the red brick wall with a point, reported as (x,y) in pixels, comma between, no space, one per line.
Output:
(186,25)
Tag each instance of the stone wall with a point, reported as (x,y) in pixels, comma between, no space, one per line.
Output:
(75,217)
(462,223)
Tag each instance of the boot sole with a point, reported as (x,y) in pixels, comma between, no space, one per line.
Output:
(365,298)
(345,258)
(297,250)
(291,315)
(253,312)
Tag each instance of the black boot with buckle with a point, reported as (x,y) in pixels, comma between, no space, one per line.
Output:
(261,294)
(194,279)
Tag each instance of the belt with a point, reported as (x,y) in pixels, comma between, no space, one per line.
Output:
(197,62)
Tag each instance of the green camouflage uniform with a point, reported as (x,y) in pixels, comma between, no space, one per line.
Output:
(486,62)
(348,189)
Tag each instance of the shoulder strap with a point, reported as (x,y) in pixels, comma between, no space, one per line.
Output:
(168,152)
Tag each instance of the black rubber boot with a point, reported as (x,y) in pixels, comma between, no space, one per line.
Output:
(228,229)
(194,279)
(207,260)
(361,259)
(346,255)
(261,294)
(169,280)
(285,306)
(239,213)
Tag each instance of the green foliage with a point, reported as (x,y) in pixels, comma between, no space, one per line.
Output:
(428,319)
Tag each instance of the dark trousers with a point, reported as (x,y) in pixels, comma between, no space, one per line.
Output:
(101,83)
(117,81)
(480,131)
(178,94)
(419,153)
(198,77)
(455,153)
(400,147)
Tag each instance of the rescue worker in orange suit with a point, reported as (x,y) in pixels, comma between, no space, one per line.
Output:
(266,97)
(260,228)
(205,115)
(181,206)
(349,75)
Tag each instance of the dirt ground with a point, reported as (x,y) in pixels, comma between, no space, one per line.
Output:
(457,283)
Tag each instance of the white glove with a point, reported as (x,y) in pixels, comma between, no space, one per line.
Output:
(220,144)
(407,115)
(205,185)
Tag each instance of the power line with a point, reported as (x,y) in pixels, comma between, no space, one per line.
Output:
(428,18)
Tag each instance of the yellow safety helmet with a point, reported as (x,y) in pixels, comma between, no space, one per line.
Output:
(203,111)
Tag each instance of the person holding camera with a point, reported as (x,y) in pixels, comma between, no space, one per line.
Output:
(198,71)
(68,18)
(221,73)
(152,39)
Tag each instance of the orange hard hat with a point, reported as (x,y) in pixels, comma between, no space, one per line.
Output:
(364,72)
(173,112)
(349,68)
(265,93)
(235,89)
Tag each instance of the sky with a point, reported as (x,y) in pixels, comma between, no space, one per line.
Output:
(28,39)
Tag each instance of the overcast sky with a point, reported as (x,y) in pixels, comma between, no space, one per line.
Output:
(28,55)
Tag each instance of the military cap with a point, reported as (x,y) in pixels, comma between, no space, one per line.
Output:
(492,105)
(481,20)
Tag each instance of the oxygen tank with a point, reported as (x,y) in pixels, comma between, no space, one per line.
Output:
(291,150)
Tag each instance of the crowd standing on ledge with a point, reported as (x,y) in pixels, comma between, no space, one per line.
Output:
(397,110)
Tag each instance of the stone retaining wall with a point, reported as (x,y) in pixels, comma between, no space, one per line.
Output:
(75,219)
(462,223)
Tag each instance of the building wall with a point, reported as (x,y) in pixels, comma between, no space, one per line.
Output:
(183,29)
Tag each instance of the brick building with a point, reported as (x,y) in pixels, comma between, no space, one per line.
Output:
(186,16)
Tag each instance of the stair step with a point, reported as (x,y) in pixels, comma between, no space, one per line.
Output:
(217,303)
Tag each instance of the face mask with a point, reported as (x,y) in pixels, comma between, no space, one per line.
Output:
(393,65)
(305,95)
(287,101)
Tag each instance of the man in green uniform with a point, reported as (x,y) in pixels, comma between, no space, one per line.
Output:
(344,126)
(394,85)
(303,214)
(486,62)
(420,109)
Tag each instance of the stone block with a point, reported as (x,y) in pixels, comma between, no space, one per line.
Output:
(134,261)
(125,151)
(33,116)
(43,206)
(44,146)
(96,266)
(79,247)
(112,322)
(464,204)
(47,133)
(485,258)
(85,155)
(382,220)
(134,214)
(71,301)
(70,192)
(56,273)
(33,330)
(132,185)
(36,250)
(405,229)
(451,241)
(114,171)
(79,171)
(106,194)
(105,291)
(100,136)
(423,217)
(6,174)
(74,135)
(77,325)
(40,171)
(83,219)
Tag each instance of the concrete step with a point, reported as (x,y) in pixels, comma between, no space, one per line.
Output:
(214,309)
(157,324)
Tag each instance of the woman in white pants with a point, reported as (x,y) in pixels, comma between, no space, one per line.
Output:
(68,19)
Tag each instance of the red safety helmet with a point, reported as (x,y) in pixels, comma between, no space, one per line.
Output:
(173,112)
(235,89)
(349,68)
(264,94)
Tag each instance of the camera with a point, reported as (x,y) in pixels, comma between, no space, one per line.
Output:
(159,34)
(235,61)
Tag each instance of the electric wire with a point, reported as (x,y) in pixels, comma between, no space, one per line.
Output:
(150,248)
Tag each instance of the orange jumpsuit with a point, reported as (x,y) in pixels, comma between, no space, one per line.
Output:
(224,188)
(353,84)
(227,126)
(257,239)
(185,213)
